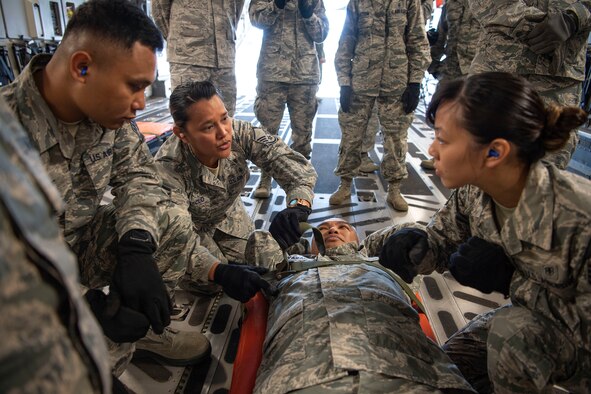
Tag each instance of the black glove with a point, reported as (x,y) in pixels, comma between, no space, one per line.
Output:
(119,323)
(307,7)
(280,3)
(285,227)
(482,265)
(435,69)
(547,35)
(432,36)
(403,251)
(241,282)
(137,280)
(410,97)
(346,94)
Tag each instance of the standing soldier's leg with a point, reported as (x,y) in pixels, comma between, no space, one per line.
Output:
(302,106)
(563,92)
(353,125)
(395,124)
(528,353)
(225,80)
(269,106)
(97,256)
(369,142)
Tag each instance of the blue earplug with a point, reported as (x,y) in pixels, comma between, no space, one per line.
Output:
(83,70)
(493,153)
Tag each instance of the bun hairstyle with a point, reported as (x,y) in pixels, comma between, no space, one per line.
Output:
(501,105)
(560,121)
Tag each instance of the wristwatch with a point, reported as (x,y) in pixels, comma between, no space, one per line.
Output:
(299,201)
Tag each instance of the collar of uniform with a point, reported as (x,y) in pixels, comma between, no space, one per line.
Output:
(199,171)
(532,219)
(31,100)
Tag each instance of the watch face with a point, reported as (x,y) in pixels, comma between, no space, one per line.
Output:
(293,202)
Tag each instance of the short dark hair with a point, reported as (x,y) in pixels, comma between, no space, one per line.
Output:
(118,21)
(187,94)
(502,105)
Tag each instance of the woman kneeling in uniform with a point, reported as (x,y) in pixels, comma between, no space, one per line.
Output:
(514,224)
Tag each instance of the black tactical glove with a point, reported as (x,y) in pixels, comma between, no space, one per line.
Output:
(241,282)
(285,227)
(403,251)
(435,69)
(346,95)
(280,3)
(307,7)
(482,265)
(432,36)
(137,280)
(119,323)
(410,97)
(547,35)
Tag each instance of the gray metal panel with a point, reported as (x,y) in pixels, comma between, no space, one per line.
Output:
(2,25)
(16,19)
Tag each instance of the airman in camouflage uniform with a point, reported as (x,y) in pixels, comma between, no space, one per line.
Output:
(50,341)
(559,75)
(288,72)
(219,217)
(85,158)
(532,243)
(382,54)
(347,327)
(553,227)
(373,126)
(201,41)
(459,41)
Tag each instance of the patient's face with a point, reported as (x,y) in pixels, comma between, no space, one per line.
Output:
(337,232)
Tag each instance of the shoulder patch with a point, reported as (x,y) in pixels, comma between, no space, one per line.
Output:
(267,140)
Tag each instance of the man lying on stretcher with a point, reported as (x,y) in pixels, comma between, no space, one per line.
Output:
(340,322)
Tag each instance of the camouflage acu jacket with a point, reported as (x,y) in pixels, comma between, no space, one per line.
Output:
(382,50)
(199,32)
(328,321)
(505,24)
(99,158)
(288,53)
(548,238)
(463,37)
(214,202)
(50,340)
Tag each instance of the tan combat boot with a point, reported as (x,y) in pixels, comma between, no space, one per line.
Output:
(174,347)
(367,164)
(343,193)
(263,189)
(395,198)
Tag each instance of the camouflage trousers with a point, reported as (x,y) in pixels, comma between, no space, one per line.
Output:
(354,125)
(373,127)
(226,247)
(561,91)
(367,382)
(97,248)
(272,97)
(223,78)
(514,350)
(97,256)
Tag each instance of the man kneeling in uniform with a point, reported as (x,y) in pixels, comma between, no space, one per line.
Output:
(341,323)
